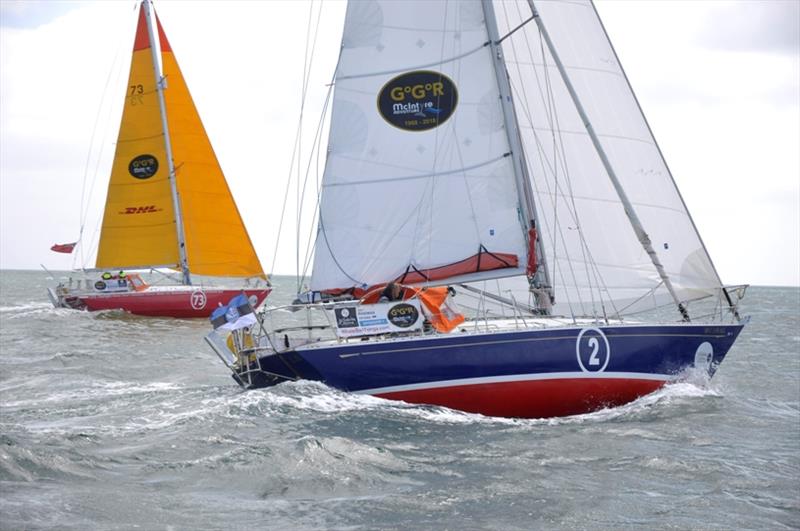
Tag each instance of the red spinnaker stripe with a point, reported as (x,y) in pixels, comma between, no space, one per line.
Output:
(142,40)
(162,37)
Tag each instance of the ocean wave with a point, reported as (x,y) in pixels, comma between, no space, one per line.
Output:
(306,396)
(95,392)
(25,307)
(30,464)
(672,396)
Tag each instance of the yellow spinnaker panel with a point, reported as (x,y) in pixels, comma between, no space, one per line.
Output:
(216,239)
(139,221)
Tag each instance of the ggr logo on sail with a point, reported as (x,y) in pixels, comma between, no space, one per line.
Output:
(418,100)
(143,166)
(418,91)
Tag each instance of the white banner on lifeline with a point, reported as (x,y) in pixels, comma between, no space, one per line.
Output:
(381,318)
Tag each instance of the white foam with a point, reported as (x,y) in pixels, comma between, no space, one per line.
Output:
(24,307)
(96,392)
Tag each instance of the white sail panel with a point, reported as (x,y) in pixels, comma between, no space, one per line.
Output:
(417,175)
(594,256)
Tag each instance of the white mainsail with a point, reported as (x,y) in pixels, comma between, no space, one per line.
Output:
(417,173)
(592,250)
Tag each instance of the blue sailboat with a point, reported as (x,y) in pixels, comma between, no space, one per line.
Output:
(546,262)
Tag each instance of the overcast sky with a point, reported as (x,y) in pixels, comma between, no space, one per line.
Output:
(719,82)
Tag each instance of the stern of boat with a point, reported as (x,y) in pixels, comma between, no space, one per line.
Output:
(253,363)
(62,297)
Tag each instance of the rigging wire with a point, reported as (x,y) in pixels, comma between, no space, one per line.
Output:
(558,138)
(559,155)
(313,231)
(298,198)
(296,155)
(88,192)
(524,102)
(315,145)
(311,241)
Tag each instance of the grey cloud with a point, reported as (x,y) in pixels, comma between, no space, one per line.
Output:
(768,26)
(30,14)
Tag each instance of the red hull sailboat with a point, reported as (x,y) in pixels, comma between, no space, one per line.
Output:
(168,203)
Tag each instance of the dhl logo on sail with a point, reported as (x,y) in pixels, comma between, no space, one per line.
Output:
(149,209)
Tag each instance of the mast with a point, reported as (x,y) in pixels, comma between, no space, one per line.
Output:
(176,203)
(630,212)
(518,158)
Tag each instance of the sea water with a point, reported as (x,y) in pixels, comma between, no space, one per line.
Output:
(112,421)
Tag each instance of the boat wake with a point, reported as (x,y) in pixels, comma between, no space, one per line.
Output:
(34,309)
(307,397)
(671,400)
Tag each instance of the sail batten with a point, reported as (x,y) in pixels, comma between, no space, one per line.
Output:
(406,68)
(456,172)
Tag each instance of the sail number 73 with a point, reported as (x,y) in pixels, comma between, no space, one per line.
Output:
(198,299)
(135,94)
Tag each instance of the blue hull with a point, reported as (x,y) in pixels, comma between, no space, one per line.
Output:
(524,373)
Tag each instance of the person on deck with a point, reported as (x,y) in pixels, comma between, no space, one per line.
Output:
(392,292)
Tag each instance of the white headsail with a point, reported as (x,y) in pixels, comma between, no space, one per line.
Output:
(593,251)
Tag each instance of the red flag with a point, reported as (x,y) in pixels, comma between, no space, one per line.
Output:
(64,247)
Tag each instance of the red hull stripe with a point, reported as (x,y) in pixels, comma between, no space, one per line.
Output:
(172,303)
(535,396)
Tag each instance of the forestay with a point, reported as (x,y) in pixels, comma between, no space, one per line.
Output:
(417,175)
(593,252)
